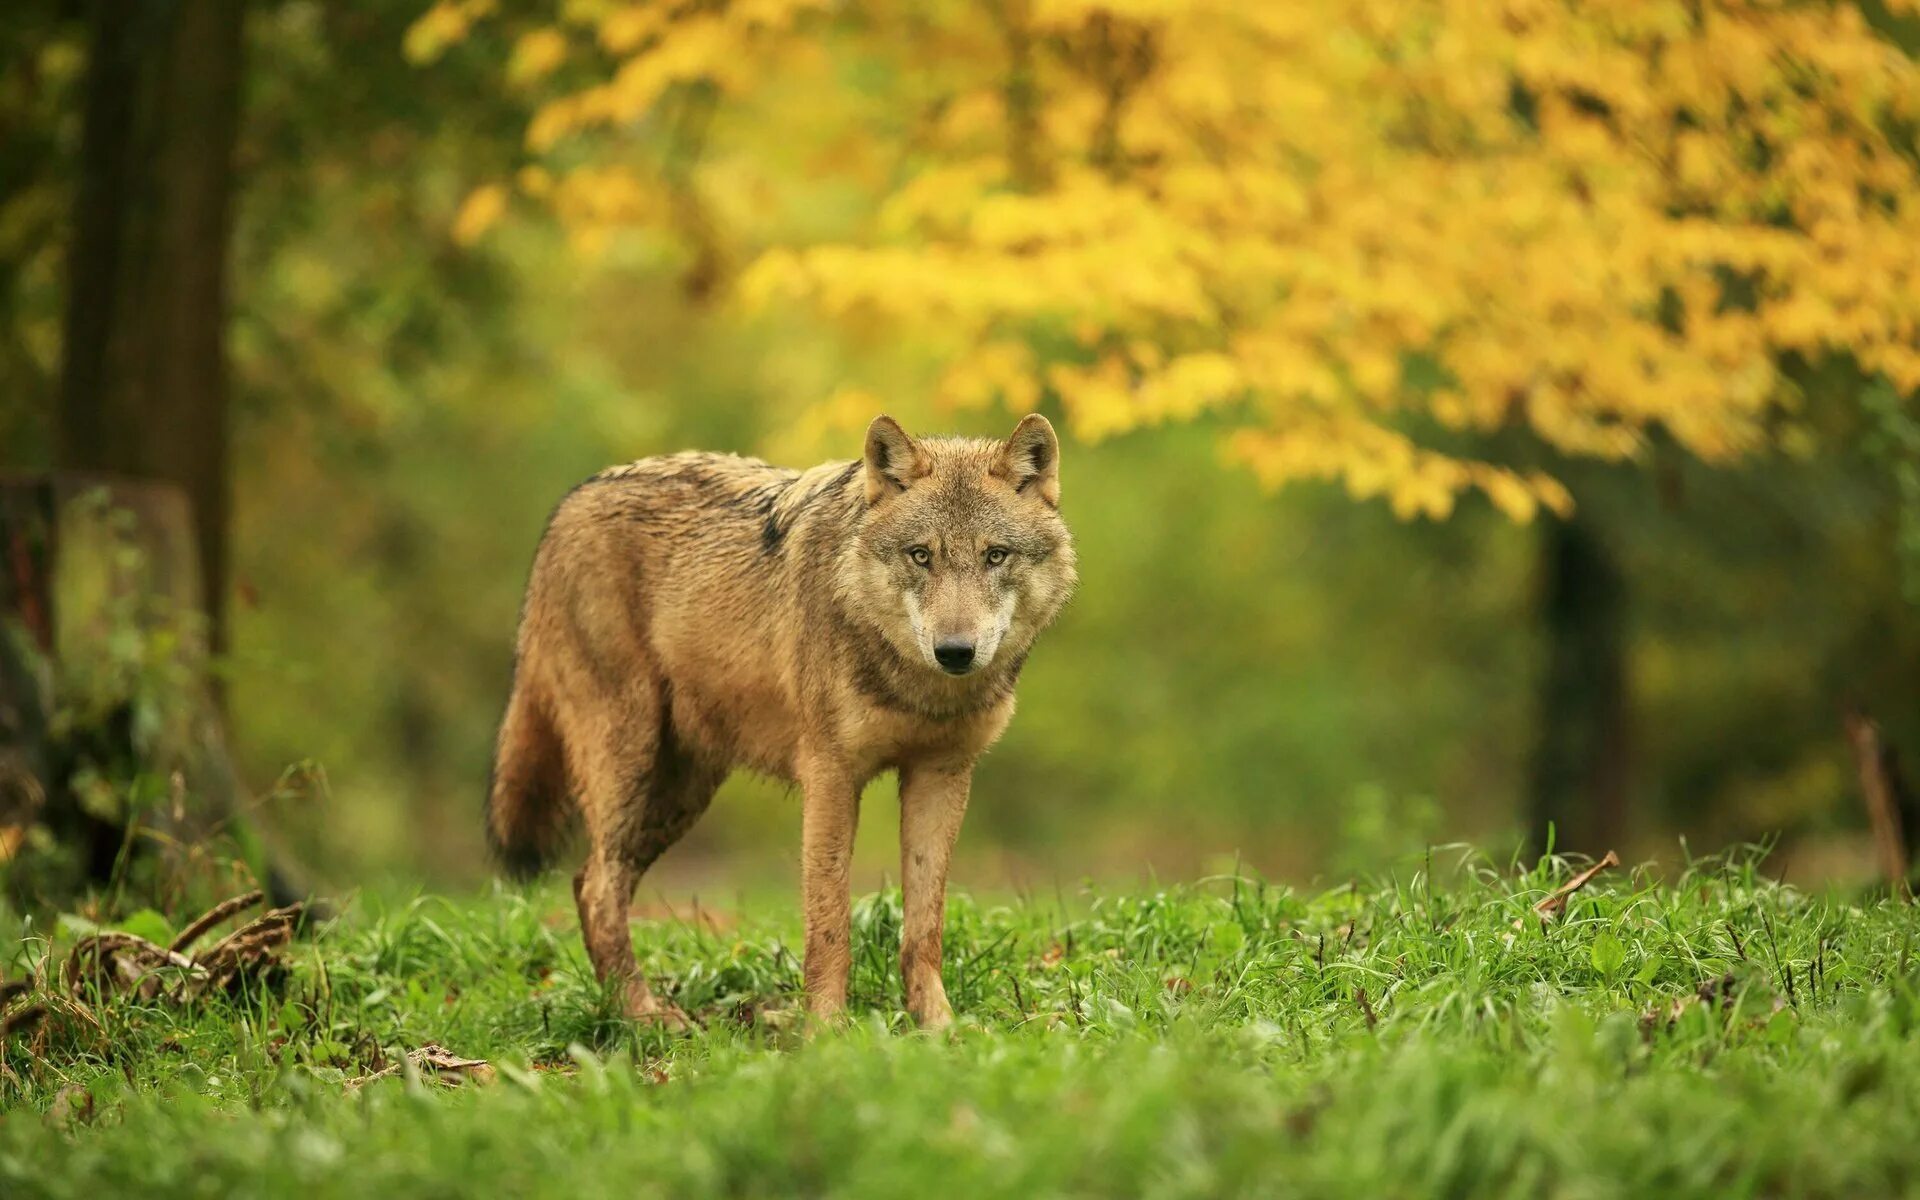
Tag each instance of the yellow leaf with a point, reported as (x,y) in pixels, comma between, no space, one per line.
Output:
(625,29)
(536,55)
(482,208)
(535,181)
(441,27)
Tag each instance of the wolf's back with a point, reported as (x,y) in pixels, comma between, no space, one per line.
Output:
(685,549)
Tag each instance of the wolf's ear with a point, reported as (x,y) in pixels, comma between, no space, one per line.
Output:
(894,460)
(1031,459)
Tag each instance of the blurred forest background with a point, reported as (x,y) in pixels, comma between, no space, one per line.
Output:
(1479,415)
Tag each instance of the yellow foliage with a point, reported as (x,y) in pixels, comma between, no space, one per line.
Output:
(482,208)
(993,370)
(624,30)
(1339,225)
(536,55)
(441,27)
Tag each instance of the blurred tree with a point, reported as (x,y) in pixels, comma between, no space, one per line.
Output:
(41,42)
(144,374)
(1577,785)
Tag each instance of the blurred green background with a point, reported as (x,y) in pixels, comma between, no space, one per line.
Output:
(1294,680)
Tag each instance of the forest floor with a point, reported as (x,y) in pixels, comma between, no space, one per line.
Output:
(1712,1034)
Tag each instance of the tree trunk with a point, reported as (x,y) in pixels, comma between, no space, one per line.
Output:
(144,380)
(1578,776)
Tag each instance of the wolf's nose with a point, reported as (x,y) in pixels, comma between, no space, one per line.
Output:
(955,658)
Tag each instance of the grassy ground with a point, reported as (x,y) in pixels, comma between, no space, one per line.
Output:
(1713,1035)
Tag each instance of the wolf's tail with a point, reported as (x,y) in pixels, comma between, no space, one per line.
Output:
(527,799)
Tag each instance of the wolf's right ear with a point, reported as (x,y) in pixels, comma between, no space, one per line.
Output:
(894,460)
(1031,459)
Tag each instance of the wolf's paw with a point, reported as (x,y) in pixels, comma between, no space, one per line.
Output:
(663,1015)
(933,1018)
(927,1003)
(826,1018)
(646,1008)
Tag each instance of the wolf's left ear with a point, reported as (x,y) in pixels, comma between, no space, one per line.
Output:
(894,460)
(1031,459)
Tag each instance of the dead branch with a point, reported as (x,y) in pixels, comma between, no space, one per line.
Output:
(1556,902)
(113,963)
(1366,1007)
(214,916)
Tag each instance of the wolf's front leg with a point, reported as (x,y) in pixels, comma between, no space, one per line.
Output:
(830,811)
(933,799)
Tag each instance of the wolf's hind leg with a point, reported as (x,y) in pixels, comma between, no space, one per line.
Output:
(613,781)
(656,813)
(603,890)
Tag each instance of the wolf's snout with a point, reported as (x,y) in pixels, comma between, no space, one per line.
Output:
(955,656)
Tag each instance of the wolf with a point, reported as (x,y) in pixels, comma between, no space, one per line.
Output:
(694,614)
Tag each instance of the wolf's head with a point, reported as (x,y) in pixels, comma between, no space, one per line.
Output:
(963,558)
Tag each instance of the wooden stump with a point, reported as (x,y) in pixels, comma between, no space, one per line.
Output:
(104,667)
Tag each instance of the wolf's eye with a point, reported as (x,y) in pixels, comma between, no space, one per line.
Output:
(921,556)
(997,555)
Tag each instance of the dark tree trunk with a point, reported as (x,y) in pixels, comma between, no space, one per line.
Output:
(144,381)
(1578,774)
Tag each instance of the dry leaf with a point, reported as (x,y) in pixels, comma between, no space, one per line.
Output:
(1556,903)
(435,1062)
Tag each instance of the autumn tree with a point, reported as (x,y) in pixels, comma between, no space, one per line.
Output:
(1355,229)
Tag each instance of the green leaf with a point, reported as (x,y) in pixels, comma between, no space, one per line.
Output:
(148,924)
(72,925)
(1608,954)
(1229,938)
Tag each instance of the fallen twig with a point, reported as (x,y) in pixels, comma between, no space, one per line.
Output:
(220,912)
(251,950)
(1556,902)
(115,963)
(435,1062)
(123,962)
(1366,1006)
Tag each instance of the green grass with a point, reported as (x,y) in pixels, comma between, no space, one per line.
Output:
(1200,1040)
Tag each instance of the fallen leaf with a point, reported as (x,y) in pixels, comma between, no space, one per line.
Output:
(435,1062)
